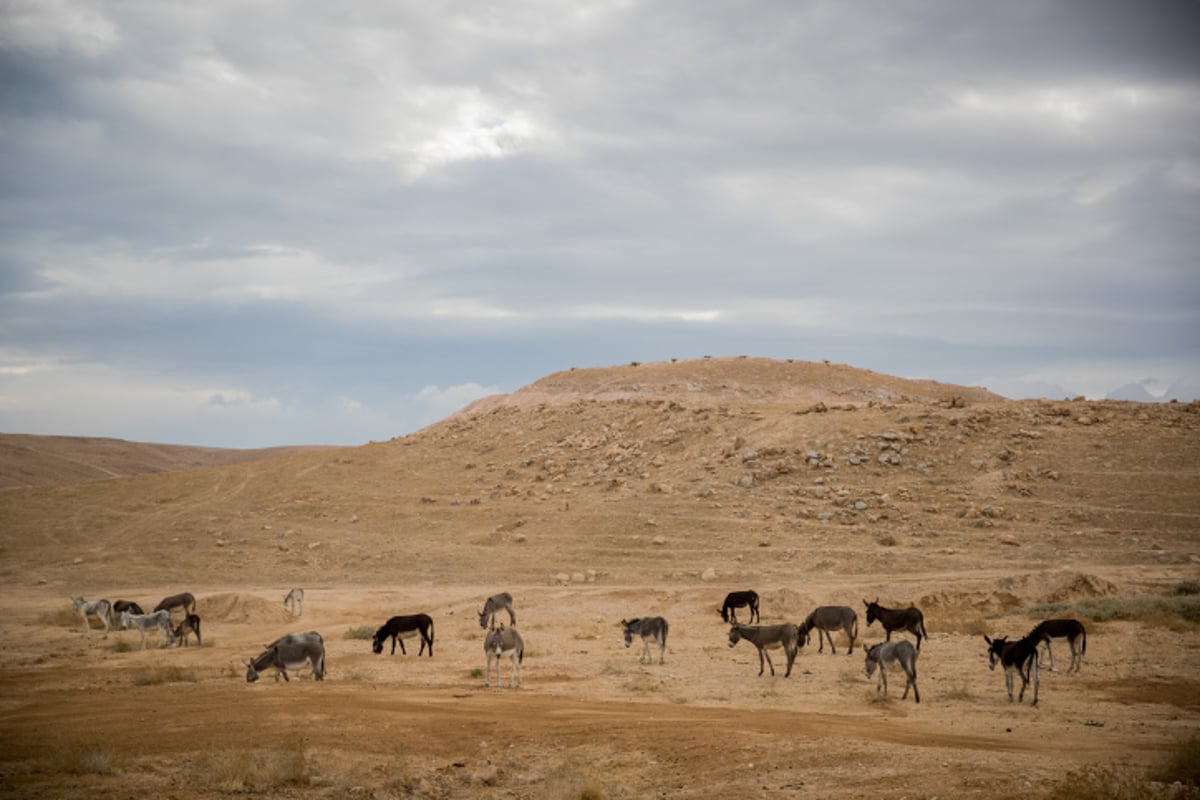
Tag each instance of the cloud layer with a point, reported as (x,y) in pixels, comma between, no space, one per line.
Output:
(246,224)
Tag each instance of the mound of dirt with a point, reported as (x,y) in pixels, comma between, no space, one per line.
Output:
(982,602)
(237,607)
(1073,586)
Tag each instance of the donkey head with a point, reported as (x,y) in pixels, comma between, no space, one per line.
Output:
(995,648)
(251,672)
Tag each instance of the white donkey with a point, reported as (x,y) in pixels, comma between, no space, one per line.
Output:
(293,602)
(100,609)
(146,622)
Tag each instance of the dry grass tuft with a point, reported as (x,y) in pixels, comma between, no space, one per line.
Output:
(62,618)
(83,757)
(169,674)
(263,771)
(361,632)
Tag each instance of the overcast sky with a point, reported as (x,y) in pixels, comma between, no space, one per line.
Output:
(258,223)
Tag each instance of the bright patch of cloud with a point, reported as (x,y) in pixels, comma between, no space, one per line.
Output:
(439,402)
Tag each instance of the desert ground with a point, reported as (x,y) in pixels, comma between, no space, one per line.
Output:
(595,495)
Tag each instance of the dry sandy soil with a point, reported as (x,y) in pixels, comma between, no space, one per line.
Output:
(599,494)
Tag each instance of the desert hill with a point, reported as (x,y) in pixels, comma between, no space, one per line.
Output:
(600,494)
(661,471)
(28,460)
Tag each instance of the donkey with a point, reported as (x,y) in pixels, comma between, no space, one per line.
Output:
(769,637)
(740,600)
(285,656)
(500,642)
(184,601)
(892,619)
(1020,656)
(650,629)
(825,619)
(884,655)
(119,607)
(1070,629)
(100,609)
(495,603)
(160,620)
(190,624)
(401,628)
(297,638)
(293,600)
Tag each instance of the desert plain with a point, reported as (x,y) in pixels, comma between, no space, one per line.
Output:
(600,494)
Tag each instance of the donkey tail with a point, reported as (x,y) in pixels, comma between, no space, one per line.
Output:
(666,629)
(1083,647)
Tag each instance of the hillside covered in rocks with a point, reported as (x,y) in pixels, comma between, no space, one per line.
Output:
(735,469)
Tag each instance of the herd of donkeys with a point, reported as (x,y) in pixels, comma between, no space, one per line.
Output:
(1019,657)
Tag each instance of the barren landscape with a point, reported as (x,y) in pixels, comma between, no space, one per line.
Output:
(600,494)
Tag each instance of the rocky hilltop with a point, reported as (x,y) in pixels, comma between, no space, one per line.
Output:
(737,469)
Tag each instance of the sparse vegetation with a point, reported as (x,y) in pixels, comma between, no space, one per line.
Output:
(85,757)
(1189,587)
(62,617)
(1151,609)
(168,674)
(1177,778)
(361,632)
(249,771)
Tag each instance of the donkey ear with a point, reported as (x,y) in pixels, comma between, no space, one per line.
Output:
(986,639)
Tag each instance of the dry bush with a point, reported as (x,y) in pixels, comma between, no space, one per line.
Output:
(262,771)
(83,757)
(62,618)
(1189,587)
(169,674)
(361,632)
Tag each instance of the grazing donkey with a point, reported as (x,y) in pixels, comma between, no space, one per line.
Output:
(119,607)
(284,655)
(500,642)
(1070,629)
(884,655)
(294,600)
(735,600)
(1020,656)
(184,601)
(401,628)
(160,620)
(487,617)
(297,638)
(769,637)
(825,619)
(893,619)
(190,624)
(100,609)
(650,629)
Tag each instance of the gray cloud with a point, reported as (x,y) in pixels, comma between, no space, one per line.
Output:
(338,222)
